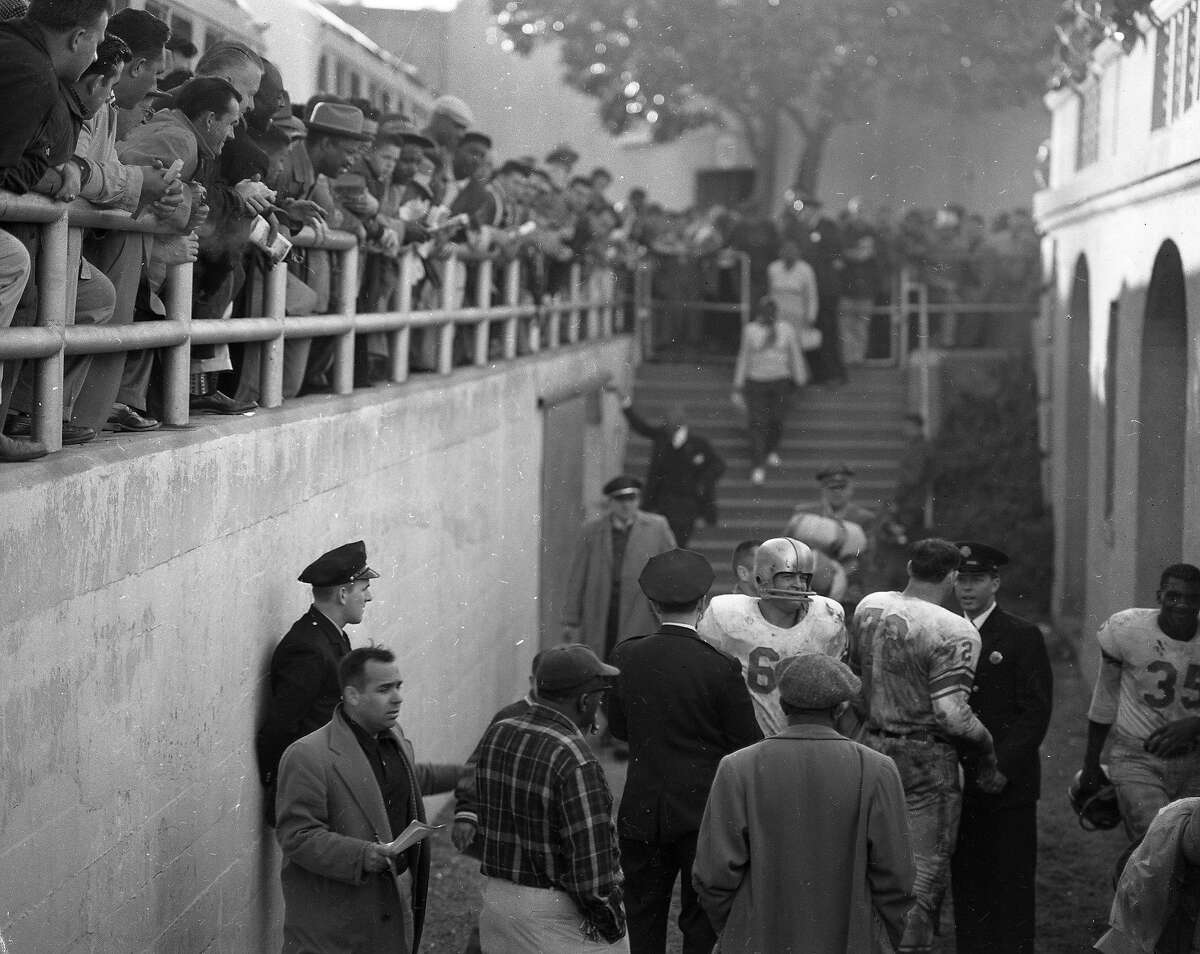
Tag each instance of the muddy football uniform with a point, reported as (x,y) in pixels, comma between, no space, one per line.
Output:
(735,625)
(1146,680)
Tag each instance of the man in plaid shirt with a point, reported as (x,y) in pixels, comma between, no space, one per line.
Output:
(545,810)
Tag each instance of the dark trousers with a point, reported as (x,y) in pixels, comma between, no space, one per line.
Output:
(766,406)
(826,361)
(993,875)
(681,513)
(650,873)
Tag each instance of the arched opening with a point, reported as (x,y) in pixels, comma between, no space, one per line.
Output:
(1162,414)
(1076,456)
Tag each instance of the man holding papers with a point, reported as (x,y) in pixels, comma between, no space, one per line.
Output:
(346,791)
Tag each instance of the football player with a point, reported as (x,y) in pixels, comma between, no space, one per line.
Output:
(785,619)
(1146,703)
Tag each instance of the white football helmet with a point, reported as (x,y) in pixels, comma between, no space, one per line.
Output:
(784,555)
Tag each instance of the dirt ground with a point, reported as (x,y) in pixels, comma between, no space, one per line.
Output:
(1074,866)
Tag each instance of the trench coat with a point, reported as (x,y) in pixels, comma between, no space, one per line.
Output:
(589,585)
(329,808)
(795,856)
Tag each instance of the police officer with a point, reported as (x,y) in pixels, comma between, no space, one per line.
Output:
(303,680)
(682,705)
(995,860)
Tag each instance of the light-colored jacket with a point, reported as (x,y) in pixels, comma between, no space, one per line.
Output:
(589,585)
(328,809)
(804,847)
(1145,916)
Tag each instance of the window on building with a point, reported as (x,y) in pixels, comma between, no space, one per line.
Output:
(1176,65)
(339,81)
(355,86)
(181,27)
(322,70)
(1110,408)
(1087,149)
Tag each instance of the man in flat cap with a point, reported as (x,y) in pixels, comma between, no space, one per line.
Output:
(993,870)
(682,706)
(303,678)
(804,844)
(554,881)
(604,603)
(448,123)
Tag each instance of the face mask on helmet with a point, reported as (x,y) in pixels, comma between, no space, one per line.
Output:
(787,557)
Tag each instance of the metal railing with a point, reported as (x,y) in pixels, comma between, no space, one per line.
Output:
(525,327)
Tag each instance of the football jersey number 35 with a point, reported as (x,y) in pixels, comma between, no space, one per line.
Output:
(1168,677)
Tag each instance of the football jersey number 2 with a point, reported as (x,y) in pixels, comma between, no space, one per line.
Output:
(1168,676)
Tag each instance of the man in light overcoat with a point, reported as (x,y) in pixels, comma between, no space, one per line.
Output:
(604,603)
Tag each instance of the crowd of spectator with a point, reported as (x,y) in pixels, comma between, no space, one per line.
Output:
(828,272)
(225,169)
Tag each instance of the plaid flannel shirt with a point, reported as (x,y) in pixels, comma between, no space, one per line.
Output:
(546,812)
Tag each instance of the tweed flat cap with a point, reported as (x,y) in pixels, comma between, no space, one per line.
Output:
(816,681)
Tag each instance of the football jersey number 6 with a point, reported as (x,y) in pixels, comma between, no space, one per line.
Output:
(1166,685)
(760,669)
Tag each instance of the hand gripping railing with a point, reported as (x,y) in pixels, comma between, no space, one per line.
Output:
(496,331)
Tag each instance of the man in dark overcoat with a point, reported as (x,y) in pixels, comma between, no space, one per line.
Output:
(303,678)
(683,706)
(994,863)
(681,481)
(346,791)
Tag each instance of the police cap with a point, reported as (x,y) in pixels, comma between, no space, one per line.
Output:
(623,486)
(980,558)
(676,577)
(345,564)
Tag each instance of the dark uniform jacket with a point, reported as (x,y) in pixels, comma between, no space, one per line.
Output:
(689,471)
(303,683)
(1013,693)
(683,706)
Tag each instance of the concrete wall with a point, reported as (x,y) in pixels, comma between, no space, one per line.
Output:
(147,581)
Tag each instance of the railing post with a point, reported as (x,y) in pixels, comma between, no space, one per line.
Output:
(593,309)
(512,297)
(608,284)
(177,360)
(398,340)
(574,316)
(54,284)
(446,331)
(483,300)
(270,383)
(745,302)
(343,369)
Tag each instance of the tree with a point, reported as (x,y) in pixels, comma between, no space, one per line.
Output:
(754,64)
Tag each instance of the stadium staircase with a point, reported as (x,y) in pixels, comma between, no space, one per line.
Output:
(860,423)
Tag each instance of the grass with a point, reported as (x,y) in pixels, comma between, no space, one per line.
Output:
(1074,866)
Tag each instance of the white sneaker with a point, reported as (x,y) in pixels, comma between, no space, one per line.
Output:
(757,476)
(773,460)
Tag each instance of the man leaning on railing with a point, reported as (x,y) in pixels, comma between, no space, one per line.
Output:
(56,41)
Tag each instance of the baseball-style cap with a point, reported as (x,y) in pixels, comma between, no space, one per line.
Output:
(345,564)
(816,681)
(623,486)
(573,667)
(676,577)
(980,558)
